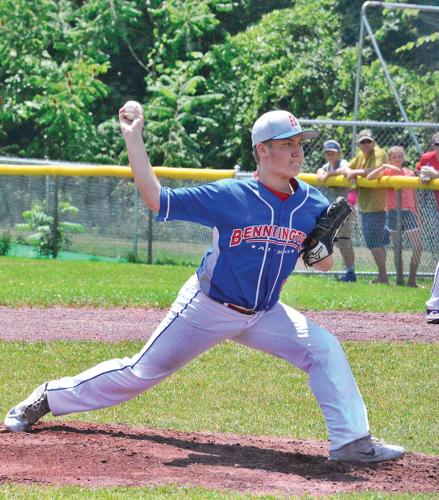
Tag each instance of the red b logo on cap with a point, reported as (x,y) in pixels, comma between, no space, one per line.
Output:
(293,120)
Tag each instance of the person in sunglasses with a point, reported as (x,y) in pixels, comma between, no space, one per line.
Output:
(371,202)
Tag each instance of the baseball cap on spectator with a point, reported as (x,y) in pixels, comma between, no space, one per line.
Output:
(331,145)
(365,135)
(278,125)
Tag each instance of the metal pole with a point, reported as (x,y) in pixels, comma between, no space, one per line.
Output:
(398,246)
(150,236)
(55,224)
(384,66)
(136,223)
(402,6)
(47,193)
(357,86)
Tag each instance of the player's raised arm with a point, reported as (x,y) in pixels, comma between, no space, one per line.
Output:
(131,123)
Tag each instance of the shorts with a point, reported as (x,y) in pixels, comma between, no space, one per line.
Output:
(374,229)
(408,220)
(345,233)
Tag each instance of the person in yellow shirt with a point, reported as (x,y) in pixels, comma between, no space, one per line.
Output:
(371,202)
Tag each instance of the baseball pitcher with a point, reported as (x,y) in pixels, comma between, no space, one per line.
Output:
(261,226)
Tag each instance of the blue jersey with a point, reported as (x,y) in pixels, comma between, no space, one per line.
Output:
(257,238)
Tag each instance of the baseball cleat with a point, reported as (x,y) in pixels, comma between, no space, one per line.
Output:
(432,316)
(25,414)
(366,450)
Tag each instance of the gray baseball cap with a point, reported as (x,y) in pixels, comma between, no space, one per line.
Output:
(331,145)
(278,124)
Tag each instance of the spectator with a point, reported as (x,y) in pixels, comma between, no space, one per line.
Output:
(335,165)
(428,165)
(410,222)
(372,202)
(428,168)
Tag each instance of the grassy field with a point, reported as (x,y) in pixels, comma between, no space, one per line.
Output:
(100,284)
(398,381)
(166,492)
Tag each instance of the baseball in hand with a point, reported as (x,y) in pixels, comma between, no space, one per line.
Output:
(132,110)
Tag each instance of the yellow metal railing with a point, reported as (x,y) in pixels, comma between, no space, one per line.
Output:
(210,174)
(395,181)
(113,171)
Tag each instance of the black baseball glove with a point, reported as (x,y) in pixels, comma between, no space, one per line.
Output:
(320,242)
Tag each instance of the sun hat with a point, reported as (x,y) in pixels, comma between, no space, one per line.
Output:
(365,134)
(278,124)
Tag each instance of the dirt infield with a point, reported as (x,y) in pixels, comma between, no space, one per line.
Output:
(103,455)
(113,325)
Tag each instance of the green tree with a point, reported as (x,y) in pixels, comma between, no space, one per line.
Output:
(176,119)
(54,55)
(288,60)
(49,235)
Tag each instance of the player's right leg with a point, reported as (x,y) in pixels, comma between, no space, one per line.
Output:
(432,303)
(191,327)
(289,335)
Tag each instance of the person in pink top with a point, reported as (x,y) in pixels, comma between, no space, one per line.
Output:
(410,221)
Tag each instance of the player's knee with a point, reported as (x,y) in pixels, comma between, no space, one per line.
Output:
(328,349)
(154,367)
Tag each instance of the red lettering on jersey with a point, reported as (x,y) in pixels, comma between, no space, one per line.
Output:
(236,237)
(293,235)
(248,232)
(266,231)
(271,233)
(284,233)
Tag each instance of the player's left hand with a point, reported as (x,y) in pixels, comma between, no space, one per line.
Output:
(320,242)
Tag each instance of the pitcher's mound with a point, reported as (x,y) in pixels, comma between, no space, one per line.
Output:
(107,455)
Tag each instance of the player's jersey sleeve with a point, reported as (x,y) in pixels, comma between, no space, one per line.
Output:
(201,204)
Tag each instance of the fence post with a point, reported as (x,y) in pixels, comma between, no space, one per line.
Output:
(47,193)
(398,247)
(150,236)
(55,224)
(136,223)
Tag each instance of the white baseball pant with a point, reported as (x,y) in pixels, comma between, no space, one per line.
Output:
(194,324)
(433,301)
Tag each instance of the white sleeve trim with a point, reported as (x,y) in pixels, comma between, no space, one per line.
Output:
(168,200)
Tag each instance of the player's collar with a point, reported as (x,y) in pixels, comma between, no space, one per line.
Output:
(294,185)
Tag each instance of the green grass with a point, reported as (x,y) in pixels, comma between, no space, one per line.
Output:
(99,284)
(162,493)
(398,383)
(78,493)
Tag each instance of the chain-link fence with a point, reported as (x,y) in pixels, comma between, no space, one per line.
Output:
(386,134)
(116,224)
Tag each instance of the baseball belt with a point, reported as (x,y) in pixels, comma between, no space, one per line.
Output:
(240,309)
